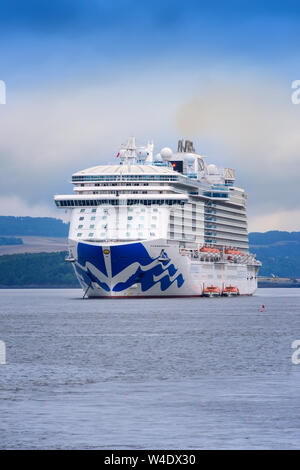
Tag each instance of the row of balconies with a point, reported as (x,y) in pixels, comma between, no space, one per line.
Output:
(242,231)
(230,209)
(178,219)
(227,216)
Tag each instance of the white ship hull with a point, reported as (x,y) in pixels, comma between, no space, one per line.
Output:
(153,268)
(165,225)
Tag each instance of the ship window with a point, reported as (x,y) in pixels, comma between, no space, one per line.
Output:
(140,234)
(104,217)
(143,210)
(81,218)
(80,226)
(91,234)
(155,210)
(153,226)
(127,234)
(102,234)
(129,218)
(128,226)
(79,234)
(154,217)
(152,234)
(92,226)
(141,226)
(94,210)
(93,218)
(82,210)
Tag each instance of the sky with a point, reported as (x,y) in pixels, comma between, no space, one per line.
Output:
(81,77)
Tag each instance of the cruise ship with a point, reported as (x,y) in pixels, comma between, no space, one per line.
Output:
(159,225)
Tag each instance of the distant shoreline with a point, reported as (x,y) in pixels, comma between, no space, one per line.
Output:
(278,282)
(40,287)
(263,285)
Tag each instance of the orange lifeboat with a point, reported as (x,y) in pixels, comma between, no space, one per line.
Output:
(207,249)
(211,291)
(230,291)
(229,251)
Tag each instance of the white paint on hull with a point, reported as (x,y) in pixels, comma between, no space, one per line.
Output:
(196,275)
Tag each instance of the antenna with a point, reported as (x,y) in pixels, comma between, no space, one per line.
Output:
(128,152)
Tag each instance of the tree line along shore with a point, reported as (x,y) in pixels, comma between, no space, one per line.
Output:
(31,265)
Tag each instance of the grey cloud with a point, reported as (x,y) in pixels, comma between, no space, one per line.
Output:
(46,136)
(250,125)
(254,124)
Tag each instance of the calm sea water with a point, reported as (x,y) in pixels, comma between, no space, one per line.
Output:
(149,374)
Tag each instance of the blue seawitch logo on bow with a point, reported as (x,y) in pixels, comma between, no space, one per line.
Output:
(93,255)
(89,277)
(147,271)
(124,256)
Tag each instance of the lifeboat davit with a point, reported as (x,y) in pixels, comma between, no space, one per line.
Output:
(230,291)
(211,291)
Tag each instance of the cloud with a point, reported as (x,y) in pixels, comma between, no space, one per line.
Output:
(281,220)
(256,119)
(47,134)
(250,124)
(14,205)
(254,126)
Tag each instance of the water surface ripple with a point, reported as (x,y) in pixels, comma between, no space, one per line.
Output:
(149,373)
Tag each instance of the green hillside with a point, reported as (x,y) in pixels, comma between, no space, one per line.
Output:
(36,270)
(4,241)
(278,251)
(33,226)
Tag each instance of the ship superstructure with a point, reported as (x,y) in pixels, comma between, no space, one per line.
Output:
(159,225)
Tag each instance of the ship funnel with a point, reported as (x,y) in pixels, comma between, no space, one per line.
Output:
(185,146)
